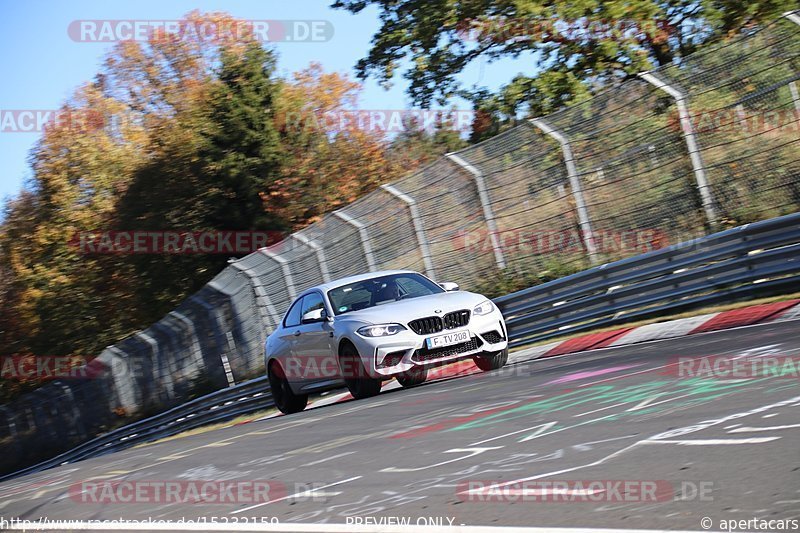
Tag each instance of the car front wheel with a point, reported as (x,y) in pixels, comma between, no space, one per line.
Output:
(491,361)
(285,400)
(358,382)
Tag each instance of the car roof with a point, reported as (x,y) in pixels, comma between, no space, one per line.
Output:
(353,279)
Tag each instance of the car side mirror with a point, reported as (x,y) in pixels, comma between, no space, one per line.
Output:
(449,286)
(317,315)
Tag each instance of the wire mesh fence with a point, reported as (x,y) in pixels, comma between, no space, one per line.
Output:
(708,143)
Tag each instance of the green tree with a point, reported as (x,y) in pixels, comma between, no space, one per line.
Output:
(243,152)
(569,47)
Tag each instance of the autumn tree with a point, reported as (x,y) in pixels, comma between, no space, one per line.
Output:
(331,158)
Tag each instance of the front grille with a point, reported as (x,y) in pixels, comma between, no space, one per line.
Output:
(435,324)
(456,319)
(492,337)
(424,354)
(427,325)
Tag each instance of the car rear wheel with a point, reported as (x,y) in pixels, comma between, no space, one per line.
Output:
(491,361)
(285,400)
(358,382)
(413,377)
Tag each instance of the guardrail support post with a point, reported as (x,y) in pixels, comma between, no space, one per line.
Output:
(362,232)
(323,263)
(418,227)
(691,143)
(575,185)
(287,273)
(488,213)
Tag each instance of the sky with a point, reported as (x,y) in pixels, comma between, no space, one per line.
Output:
(42,64)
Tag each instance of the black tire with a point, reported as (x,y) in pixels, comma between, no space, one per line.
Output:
(411,378)
(355,375)
(491,361)
(285,400)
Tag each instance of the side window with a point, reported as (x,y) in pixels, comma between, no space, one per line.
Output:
(312,302)
(294,314)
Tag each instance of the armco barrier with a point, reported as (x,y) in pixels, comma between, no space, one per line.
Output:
(215,407)
(757,258)
(741,262)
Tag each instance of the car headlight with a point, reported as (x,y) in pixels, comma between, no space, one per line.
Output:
(380,330)
(483,308)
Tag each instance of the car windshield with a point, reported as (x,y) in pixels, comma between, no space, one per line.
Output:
(379,291)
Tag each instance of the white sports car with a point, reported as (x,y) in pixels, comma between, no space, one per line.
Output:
(362,330)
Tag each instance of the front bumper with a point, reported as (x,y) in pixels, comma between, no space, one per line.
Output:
(388,356)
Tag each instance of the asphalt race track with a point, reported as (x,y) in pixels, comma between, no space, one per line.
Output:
(721,448)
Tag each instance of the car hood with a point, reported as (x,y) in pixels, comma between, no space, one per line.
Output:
(404,311)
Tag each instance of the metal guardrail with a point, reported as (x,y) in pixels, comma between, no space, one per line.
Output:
(740,262)
(218,406)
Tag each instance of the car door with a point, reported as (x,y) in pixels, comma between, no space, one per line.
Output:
(288,333)
(313,346)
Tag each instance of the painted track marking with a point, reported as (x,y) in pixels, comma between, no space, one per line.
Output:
(296,494)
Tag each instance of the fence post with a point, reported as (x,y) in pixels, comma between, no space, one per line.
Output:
(795,96)
(196,349)
(220,337)
(158,363)
(172,362)
(79,427)
(260,291)
(794,17)
(488,214)
(323,263)
(575,185)
(362,232)
(691,143)
(122,374)
(419,229)
(287,272)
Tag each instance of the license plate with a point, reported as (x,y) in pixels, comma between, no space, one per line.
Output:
(448,339)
